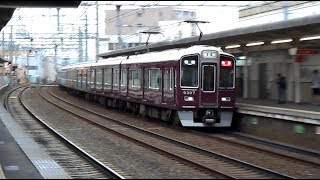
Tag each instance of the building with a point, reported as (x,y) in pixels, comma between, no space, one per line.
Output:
(125,29)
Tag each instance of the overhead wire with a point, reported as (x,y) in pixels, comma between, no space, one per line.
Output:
(127,14)
(133,12)
(162,28)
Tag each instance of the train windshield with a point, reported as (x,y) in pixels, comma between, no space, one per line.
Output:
(227,72)
(189,71)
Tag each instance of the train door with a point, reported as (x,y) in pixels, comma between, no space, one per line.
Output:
(208,93)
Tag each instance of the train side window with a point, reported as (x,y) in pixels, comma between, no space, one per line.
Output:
(115,77)
(79,76)
(175,78)
(124,77)
(107,76)
(84,78)
(99,78)
(92,76)
(88,78)
(167,79)
(154,78)
(171,79)
(146,77)
(135,78)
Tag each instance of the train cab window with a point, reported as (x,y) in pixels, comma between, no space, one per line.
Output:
(227,75)
(208,77)
(189,71)
(107,76)
(154,78)
(115,77)
(124,77)
(135,78)
(99,78)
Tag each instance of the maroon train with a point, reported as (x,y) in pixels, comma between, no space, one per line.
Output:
(193,86)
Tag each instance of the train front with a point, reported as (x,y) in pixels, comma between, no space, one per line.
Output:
(206,89)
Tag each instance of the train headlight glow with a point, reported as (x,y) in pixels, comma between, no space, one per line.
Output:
(189,62)
(209,54)
(188,98)
(225,99)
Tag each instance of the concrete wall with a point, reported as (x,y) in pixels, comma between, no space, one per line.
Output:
(289,132)
(276,62)
(308,64)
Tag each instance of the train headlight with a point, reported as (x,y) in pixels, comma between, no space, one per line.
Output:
(225,99)
(188,98)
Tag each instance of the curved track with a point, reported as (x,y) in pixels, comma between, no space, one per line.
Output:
(76,161)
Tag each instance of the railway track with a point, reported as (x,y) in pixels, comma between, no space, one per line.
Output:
(207,160)
(283,151)
(298,165)
(75,161)
(96,142)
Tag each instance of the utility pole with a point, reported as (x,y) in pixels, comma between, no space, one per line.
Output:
(86,38)
(80,45)
(119,25)
(97,34)
(27,71)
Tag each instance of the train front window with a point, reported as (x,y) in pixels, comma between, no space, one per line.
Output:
(227,73)
(208,78)
(189,71)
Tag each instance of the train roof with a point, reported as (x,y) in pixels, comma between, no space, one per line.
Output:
(157,56)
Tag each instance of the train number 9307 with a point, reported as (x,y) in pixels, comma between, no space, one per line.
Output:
(189,92)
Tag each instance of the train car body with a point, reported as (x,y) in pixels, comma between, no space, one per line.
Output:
(194,86)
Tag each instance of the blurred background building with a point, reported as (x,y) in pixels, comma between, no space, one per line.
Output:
(40,40)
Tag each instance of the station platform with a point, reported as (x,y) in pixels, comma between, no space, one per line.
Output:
(290,123)
(20,156)
(14,163)
(299,112)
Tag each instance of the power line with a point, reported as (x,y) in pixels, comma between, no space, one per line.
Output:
(131,13)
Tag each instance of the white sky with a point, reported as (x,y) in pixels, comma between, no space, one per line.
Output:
(220,14)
